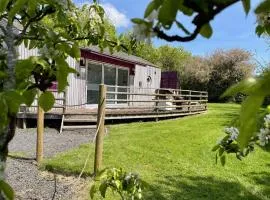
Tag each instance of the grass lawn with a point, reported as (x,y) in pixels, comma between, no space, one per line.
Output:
(174,157)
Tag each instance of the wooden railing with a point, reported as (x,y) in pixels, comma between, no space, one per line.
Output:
(162,99)
(144,99)
(59,106)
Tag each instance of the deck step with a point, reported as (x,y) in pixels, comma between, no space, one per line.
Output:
(80,120)
(79,127)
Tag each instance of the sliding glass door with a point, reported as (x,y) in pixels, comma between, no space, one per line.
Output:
(94,78)
(109,75)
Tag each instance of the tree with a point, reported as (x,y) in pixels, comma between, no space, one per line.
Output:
(228,68)
(172,58)
(195,74)
(55,28)
(161,15)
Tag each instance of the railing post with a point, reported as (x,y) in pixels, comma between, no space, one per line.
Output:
(101,128)
(189,98)
(40,134)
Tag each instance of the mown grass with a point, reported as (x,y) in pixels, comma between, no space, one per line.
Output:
(174,158)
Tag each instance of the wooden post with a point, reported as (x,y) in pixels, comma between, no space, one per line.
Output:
(101,129)
(189,101)
(40,133)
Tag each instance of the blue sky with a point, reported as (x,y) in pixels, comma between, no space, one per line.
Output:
(232,28)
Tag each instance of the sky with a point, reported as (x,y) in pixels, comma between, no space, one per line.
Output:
(232,28)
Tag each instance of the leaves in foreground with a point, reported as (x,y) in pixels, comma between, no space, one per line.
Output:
(126,185)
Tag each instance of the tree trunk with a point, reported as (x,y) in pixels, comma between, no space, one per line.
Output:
(7,133)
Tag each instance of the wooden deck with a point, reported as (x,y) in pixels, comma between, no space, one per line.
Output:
(152,104)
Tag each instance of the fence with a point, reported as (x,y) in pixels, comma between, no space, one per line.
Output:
(158,100)
(131,100)
(59,106)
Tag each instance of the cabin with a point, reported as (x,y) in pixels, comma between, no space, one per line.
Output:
(135,90)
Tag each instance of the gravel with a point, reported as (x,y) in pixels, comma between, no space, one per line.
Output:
(23,174)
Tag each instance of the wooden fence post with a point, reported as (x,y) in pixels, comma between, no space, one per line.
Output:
(40,133)
(101,128)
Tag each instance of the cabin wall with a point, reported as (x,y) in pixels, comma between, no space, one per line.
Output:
(146,81)
(76,91)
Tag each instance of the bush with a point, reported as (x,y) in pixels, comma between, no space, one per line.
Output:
(217,72)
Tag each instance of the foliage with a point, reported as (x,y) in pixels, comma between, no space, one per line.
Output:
(174,158)
(217,72)
(227,68)
(127,185)
(168,58)
(55,28)
(172,58)
(195,74)
(229,143)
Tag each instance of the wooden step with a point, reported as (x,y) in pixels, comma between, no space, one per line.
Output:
(79,127)
(80,120)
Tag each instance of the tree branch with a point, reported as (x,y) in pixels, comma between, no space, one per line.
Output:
(199,21)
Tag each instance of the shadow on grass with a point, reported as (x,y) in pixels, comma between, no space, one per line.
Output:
(199,187)
(262,179)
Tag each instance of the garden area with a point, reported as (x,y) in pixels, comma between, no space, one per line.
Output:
(174,158)
(47,51)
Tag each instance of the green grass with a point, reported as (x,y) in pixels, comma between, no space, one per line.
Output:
(174,157)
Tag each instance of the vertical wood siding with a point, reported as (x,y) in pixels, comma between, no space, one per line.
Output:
(142,86)
(76,91)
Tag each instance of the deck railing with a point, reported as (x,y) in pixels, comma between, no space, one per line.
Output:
(144,99)
(161,99)
(59,106)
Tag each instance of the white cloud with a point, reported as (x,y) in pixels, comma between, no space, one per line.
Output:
(118,18)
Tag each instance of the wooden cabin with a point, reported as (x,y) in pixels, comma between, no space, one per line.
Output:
(133,90)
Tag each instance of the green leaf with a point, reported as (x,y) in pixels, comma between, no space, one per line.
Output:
(3,5)
(221,151)
(13,100)
(215,147)
(32,7)
(18,5)
(153,5)
(75,52)
(245,86)
(223,160)
(103,188)
(263,7)
(206,31)
(7,190)
(182,27)
(138,21)
(246,5)
(259,30)
(248,119)
(24,68)
(46,101)
(62,73)
(92,191)
(168,12)
(29,96)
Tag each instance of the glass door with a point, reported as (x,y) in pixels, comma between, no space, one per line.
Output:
(94,78)
(122,82)
(110,79)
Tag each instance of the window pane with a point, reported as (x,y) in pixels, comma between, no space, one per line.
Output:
(92,96)
(94,75)
(122,77)
(109,75)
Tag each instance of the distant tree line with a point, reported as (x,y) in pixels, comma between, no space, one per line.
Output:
(213,73)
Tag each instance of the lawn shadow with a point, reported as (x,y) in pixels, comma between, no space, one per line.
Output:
(198,187)
(262,179)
